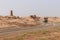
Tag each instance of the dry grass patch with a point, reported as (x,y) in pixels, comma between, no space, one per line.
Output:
(37,35)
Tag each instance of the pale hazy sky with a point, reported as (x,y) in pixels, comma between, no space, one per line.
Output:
(28,7)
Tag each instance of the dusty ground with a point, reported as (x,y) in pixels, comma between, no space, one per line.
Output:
(46,34)
(8,21)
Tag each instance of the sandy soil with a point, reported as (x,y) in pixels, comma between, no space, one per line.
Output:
(47,34)
(8,21)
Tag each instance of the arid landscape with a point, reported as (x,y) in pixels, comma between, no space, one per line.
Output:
(44,34)
(31,27)
(29,19)
(32,20)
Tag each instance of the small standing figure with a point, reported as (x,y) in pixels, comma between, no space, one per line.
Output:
(46,19)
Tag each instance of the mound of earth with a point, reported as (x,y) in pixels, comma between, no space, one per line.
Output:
(6,21)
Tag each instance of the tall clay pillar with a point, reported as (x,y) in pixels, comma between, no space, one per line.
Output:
(11,13)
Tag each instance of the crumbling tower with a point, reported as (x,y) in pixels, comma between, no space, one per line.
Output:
(11,13)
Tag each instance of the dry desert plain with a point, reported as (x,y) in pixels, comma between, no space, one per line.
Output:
(27,28)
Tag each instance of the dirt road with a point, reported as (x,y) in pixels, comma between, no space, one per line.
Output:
(10,30)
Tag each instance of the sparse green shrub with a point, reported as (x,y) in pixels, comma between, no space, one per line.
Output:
(21,38)
(42,39)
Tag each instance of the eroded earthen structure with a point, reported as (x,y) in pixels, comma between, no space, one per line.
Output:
(11,13)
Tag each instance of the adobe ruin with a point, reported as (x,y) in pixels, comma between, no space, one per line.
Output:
(11,13)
